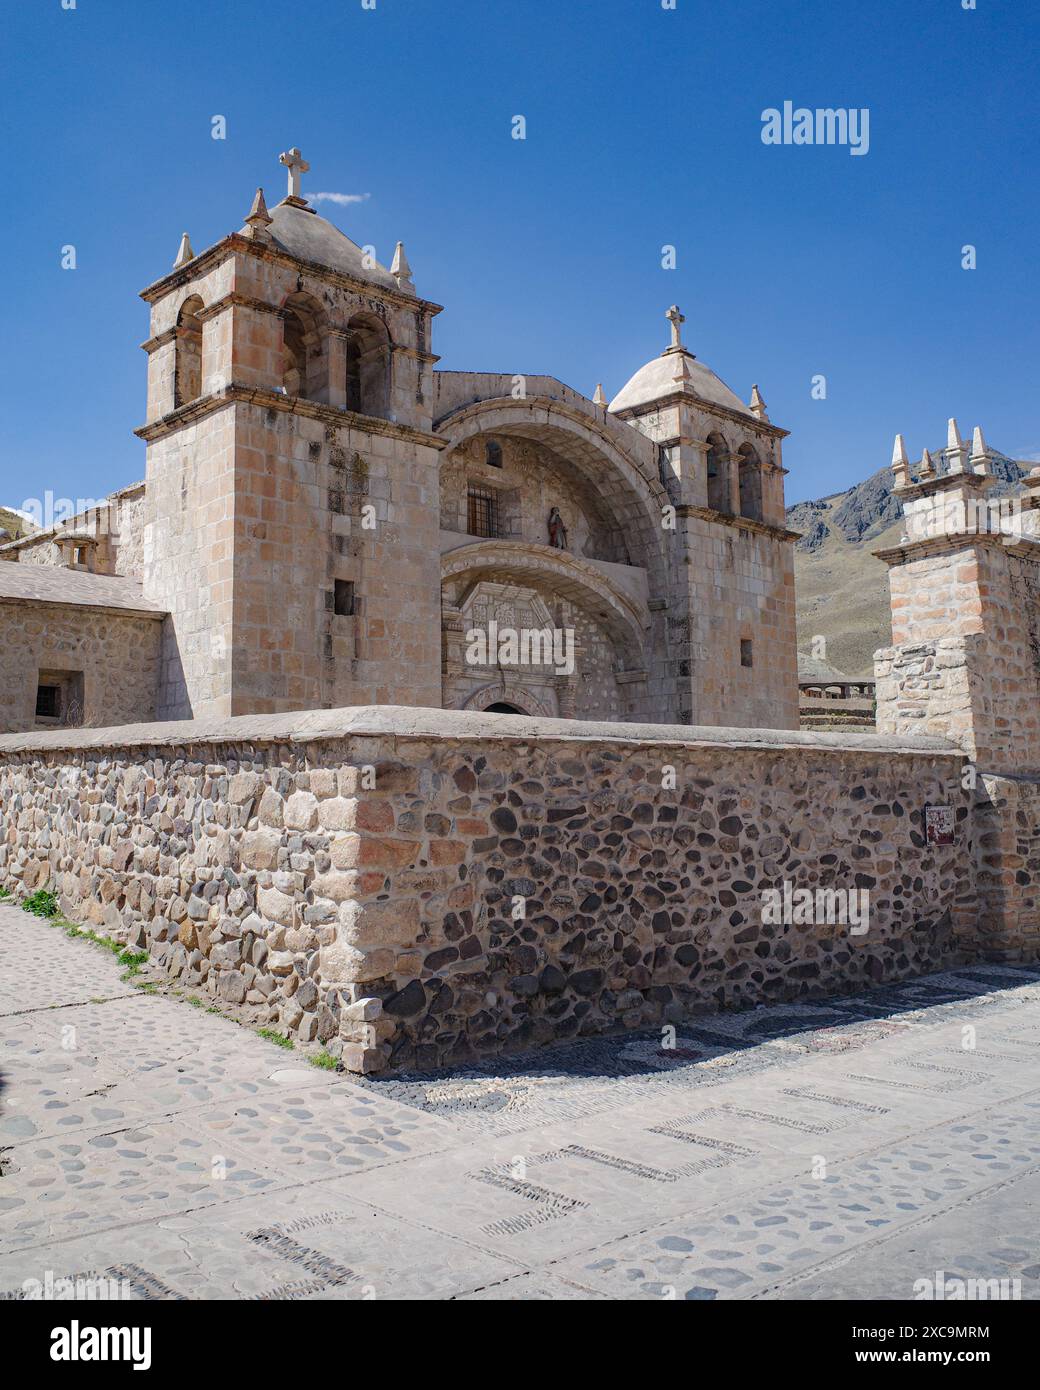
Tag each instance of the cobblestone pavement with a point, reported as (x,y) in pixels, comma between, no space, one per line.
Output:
(842,1149)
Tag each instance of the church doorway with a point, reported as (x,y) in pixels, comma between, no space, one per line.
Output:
(500,707)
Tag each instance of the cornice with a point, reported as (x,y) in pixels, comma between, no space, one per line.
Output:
(743,523)
(237,244)
(235,393)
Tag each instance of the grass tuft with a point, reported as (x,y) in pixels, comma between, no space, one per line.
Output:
(324,1060)
(42,903)
(279,1039)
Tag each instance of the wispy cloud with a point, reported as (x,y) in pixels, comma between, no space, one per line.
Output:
(343,199)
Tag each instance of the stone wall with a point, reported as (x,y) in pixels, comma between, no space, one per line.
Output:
(117,524)
(1008,882)
(117,655)
(965,659)
(417,887)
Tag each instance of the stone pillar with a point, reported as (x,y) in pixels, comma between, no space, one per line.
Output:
(338,339)
(733,465)
(162,374)
(689,460)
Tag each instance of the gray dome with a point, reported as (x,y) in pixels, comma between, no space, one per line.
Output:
(309,237)
(656,380)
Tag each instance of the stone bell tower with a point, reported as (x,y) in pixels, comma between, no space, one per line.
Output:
(291,471)
(734,627)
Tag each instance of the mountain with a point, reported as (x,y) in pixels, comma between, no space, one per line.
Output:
(841,589)
(13,523)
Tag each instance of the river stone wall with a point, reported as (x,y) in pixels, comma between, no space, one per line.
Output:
(419,887)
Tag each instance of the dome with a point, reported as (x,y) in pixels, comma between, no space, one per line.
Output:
(657,379)
(309,237)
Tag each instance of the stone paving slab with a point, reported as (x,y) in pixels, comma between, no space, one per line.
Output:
(839,1148)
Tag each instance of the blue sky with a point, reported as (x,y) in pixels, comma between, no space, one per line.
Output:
(643,129)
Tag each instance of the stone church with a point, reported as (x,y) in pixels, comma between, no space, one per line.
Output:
(327,519)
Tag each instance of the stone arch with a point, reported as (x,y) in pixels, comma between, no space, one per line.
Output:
(188,365)
(565,576)
(627,485)
(305,357)
(367,353)
(718,466)
(510,693)
(750,466)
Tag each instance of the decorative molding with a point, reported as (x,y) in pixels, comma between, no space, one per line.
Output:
(742,523)
(292,405)
(239,244)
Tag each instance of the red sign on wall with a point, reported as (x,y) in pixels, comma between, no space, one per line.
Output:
(938,825)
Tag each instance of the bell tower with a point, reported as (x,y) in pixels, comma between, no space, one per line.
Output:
(732,625)
(292,476)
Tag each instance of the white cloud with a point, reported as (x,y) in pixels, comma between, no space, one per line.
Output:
(343,199)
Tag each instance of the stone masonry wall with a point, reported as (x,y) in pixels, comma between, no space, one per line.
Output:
(117,654)
(1008,838)
(965,660)
(415,887)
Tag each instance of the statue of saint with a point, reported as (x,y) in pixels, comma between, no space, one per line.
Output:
(557,530)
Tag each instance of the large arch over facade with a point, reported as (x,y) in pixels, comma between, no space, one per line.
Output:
(627,486)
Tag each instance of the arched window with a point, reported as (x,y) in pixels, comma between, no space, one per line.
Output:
(304,356)
(188,377)
(718,474)
(493,453)
(368,365)
(750,483)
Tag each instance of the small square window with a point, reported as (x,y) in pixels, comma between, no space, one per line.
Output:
(343,598)
(746,654)
(48,701)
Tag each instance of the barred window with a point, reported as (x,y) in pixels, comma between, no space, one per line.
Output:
(483,511)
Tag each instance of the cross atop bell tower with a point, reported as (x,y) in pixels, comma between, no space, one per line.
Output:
(676,320)
(296,165)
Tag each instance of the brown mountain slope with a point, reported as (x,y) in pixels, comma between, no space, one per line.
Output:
(13,524)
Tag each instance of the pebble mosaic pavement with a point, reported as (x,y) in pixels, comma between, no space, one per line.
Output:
(837,1149)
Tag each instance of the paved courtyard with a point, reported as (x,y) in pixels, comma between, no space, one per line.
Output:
(842,1149)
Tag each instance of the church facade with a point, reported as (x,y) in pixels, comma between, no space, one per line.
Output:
(328,520)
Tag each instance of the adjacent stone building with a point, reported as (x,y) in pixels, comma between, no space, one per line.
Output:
(326,520)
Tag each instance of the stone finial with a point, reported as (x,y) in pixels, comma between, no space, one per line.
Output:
(900,462)
(599,398)
(927,468)
(400,269)
(184,253)
(296,165)
(758,405)
(259,218)
(956,450)
(980,455)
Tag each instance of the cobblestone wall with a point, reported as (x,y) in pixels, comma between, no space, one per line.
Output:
(116,655)
(418,886)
